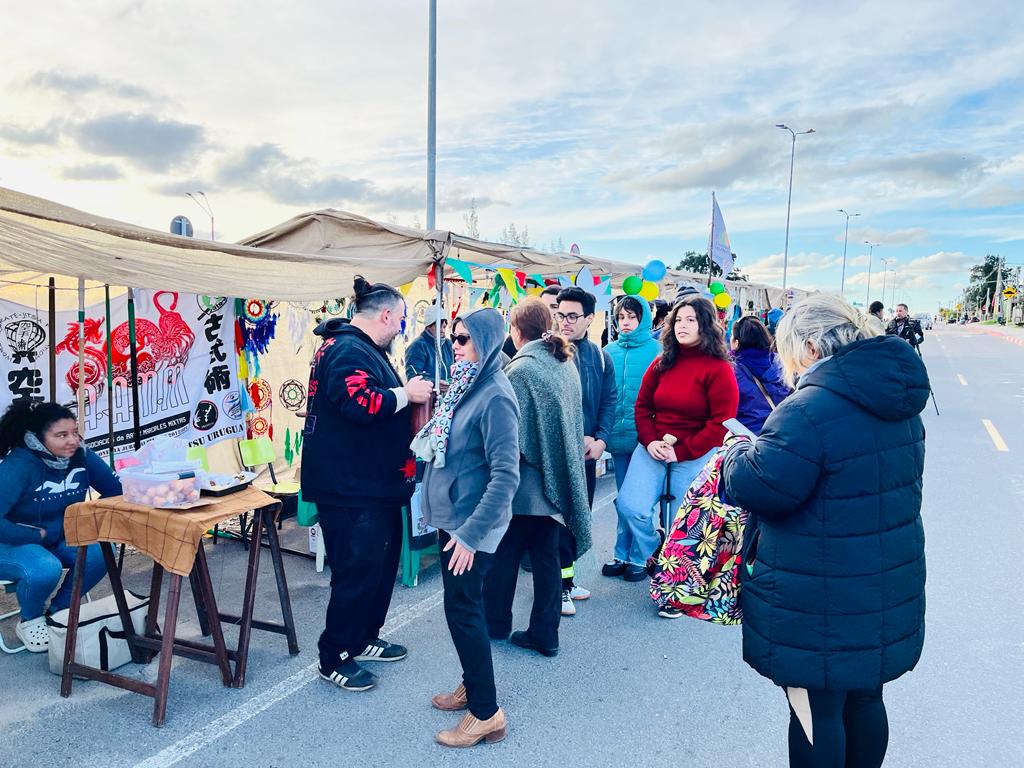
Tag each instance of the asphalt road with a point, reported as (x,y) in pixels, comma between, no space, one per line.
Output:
(628,688)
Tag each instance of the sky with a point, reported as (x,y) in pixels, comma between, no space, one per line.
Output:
(607,124)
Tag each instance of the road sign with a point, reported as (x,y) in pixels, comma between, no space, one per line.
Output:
(1010,292)
(180,225)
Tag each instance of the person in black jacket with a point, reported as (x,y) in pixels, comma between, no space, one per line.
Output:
(906,327)
(358,470)
(421,356)
(833,595)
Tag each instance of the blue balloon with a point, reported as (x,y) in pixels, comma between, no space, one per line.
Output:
(654,271)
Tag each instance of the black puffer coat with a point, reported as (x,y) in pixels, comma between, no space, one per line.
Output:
(836,596)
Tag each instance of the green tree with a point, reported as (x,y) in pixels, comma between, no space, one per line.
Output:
(472,221)
(698,262)
(983,280)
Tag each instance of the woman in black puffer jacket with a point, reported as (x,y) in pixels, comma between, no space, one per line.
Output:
(833,598)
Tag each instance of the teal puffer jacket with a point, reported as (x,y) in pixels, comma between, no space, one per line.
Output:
(632,354)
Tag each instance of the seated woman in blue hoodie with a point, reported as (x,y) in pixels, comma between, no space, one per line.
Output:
(45,468)
(758,374)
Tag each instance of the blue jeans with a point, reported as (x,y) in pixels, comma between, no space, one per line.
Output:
(639,494)
(36,570)
(625,548)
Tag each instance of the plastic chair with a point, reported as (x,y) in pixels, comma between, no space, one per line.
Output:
(198,453)
(308,515)
(259,451)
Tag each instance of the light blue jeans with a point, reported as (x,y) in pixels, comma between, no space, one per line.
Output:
(36,570)
(638,498)
(625,549)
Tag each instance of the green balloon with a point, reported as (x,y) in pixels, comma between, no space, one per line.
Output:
(717,288)
(632,285)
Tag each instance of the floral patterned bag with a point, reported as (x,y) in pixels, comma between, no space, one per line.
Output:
(697,569)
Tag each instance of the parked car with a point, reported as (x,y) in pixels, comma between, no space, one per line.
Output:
(926,321)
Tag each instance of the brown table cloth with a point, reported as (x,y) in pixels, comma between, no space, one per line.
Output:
(171,537)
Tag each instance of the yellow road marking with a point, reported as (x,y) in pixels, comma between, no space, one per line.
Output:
(962,379)
(993,433)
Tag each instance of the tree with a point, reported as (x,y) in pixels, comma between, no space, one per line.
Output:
(472,221)
(557,246)
(698,262)
(512,236)
(983,280)
(416,222)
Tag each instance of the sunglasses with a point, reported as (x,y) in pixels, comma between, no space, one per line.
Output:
(462,339)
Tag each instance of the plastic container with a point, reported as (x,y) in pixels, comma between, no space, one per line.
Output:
(164,489)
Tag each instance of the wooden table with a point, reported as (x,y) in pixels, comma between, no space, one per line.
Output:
(174,539)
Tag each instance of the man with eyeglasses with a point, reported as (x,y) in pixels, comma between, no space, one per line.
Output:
(573,317)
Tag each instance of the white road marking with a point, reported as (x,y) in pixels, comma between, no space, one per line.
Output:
(962,379)
(993,433)
(226,723)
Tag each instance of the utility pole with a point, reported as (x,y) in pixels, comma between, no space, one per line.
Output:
(999,288)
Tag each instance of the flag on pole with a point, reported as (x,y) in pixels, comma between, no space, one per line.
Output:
(718,243)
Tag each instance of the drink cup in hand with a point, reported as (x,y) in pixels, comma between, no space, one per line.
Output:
(418,390)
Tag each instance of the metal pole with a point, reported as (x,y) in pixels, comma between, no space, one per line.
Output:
(110,381)
(871,252)
(51,333)
(432,116)
(789,205)
(846,238)
(999,288)
(81,356)
(133,358)
(711,242)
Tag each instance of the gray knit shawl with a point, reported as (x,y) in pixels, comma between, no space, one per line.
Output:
(551,432)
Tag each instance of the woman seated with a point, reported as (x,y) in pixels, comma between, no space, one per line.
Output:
(758,374)
(45,468)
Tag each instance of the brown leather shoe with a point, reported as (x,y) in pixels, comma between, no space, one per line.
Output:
(451,702)
(471,731)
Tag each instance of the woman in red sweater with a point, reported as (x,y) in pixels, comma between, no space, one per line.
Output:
(687,392)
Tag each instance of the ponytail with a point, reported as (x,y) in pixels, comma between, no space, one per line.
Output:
(558,346)
(28,416)
(533,319)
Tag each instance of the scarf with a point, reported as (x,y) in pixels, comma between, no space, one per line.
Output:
(431,442)
(36,447)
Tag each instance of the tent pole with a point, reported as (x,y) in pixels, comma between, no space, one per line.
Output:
(133,352)
(81,356)
(711,240)
(110,382)
(52,320)
(432,114)
(439,285)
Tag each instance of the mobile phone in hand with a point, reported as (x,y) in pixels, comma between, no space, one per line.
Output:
(734,426)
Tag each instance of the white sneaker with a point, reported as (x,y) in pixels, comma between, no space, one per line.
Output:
(579,593)
(34,635)
(568,607)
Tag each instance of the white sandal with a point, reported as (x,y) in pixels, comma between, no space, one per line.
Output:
(34,634)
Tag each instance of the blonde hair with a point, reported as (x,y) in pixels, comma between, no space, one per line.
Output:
(823,322)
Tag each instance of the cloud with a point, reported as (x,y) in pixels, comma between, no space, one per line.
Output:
(92,172)
(908,236)
(297,181)
(16,134)
(180,188)
(943,167)
(942,263)
(770,268)
(80,85)
(148,142)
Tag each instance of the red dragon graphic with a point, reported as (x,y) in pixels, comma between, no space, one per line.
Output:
(164,343)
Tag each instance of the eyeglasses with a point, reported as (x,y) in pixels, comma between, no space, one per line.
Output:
(572,318)
(462,339)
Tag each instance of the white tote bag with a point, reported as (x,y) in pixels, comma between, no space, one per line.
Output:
(101,639)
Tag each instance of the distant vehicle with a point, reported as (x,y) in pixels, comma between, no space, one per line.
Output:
(926,321)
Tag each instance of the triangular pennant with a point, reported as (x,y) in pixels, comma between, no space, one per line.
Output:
(462,268)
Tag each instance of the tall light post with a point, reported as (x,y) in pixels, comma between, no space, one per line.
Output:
(872,246)
(846,237)
(789,203)
(885,274)
(432,115)
(207,209)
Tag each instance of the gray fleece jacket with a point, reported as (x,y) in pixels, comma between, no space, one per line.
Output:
(471,496)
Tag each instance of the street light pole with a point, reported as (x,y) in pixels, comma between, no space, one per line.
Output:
(789,202)
(885,275)
(867,301)
(432,116)
(846,237)
(206,208)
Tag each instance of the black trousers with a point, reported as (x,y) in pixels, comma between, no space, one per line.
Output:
(539,537)
(464,612)
(849,728)
(566,541)
(363,547)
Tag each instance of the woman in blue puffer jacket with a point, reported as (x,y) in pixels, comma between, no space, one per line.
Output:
(755,364)
(631,353)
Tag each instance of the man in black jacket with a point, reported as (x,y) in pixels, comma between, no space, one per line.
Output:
(358,470)
(904,326)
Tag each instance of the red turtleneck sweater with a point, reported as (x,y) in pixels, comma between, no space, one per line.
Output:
(690,400)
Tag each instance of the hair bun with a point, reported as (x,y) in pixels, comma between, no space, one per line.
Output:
(361,286)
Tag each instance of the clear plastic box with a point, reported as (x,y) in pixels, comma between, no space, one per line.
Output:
(165,489)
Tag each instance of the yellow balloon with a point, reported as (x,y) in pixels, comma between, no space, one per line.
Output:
(649,290)
(723,300)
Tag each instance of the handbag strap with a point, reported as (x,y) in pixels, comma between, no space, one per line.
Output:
(757,381)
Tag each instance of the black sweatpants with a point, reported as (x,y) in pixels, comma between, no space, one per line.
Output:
(464,612)
(566,541)
(538,535)
(363,547)
(836,729)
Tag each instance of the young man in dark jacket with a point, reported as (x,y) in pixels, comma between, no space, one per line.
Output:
(597,377)
(904,326)
(357,468)
(421,356)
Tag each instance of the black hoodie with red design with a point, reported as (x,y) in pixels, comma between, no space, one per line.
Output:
(355,448)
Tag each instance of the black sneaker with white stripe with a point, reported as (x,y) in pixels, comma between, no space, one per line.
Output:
(382,650)
(349,675)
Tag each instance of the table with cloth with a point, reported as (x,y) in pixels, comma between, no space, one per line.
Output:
(174,540)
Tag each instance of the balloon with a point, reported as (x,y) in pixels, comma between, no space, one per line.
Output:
(654,271)
(717,288)
(649,291)
(722,300)
(632,285)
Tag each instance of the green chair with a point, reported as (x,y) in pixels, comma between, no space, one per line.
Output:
(260,451)
(198,453)
(308,515)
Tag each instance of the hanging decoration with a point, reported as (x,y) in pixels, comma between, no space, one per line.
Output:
(654,271)
(289,455)
(632,285)
(599,287)
(292,395)
(258,325)
(649,291)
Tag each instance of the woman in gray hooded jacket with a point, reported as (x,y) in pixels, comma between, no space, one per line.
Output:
(472,452)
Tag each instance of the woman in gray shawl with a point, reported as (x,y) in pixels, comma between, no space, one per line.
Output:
(552,487)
